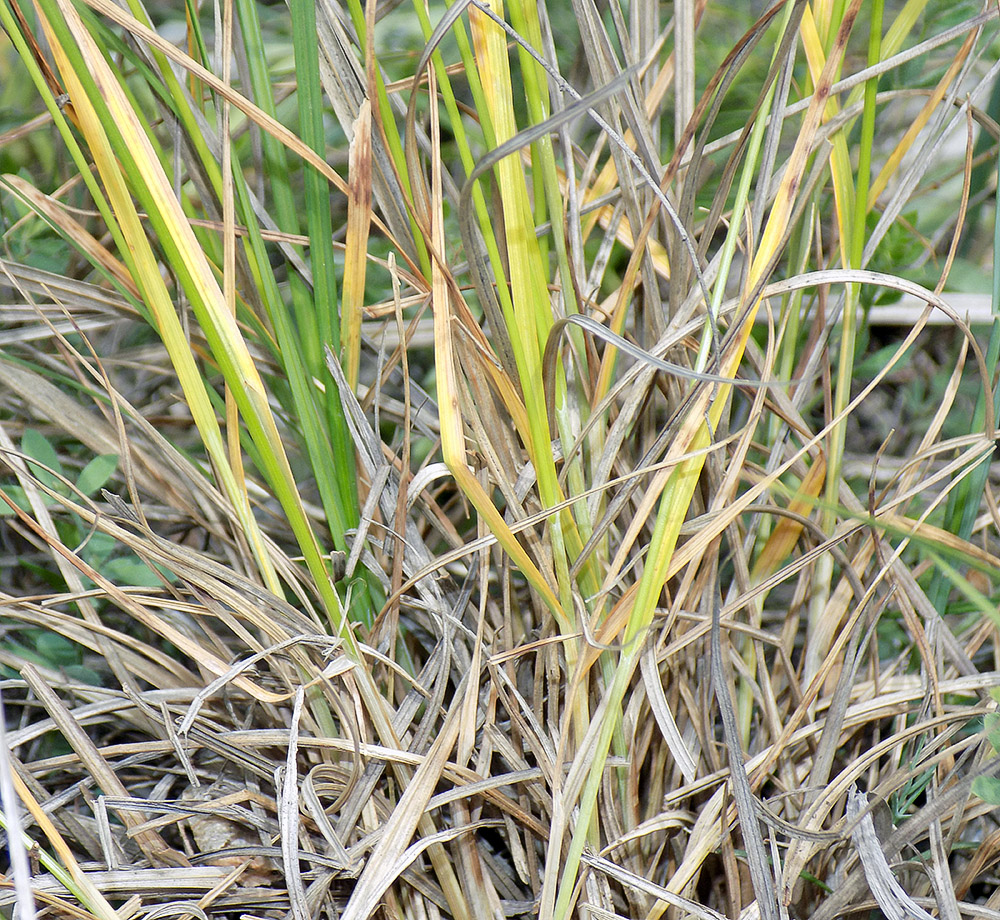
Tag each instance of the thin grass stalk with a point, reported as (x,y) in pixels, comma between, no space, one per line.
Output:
(789,324)
(680,480)
(735,224)
(229,241)
(196,47)
(527,30)
(815,37)
(382,114)
(530,322)
(446,300)
(965,501)
(359,205)
(224,337)
(791,305)
(684,66)
(310,106)
(451,22)
(310,415)
(529,331)
(852,202)
(854,248)
(69,874)
(69,45)
(862,200)
(744,692)
(524,18)
(324,301)
(318,415)
(232,427)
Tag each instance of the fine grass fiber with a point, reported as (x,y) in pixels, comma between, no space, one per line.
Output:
(499,460)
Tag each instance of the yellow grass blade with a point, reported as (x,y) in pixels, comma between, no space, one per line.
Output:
(904,144)
(359,214)
(53,211)
(144,268)
(787,532)
(90,894)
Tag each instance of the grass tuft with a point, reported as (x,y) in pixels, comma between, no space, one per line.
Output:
(499,459)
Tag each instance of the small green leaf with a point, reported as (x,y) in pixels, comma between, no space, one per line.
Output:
(35,445)
(991,725)
(16,493)
(56,650)
(97,473)
(84,675)
(98,550)
(987,788)
(132,571)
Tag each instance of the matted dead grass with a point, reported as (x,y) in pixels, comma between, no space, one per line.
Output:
(193,778)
